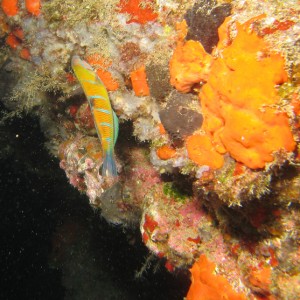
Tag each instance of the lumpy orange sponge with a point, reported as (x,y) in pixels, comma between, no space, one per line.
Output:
(33,6)
(202,152)
(208,286)
(10,7)
(139,82)
(189,65)
(239,101)
(165,152)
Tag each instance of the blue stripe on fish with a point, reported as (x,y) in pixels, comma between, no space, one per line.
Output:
(103,110)
(105,124)
(89,81)
(96,97)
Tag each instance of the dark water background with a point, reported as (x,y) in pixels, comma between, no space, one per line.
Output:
(53,244)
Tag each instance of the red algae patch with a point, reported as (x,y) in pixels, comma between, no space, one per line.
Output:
(138,13)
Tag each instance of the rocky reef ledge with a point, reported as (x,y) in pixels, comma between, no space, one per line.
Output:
(207,97)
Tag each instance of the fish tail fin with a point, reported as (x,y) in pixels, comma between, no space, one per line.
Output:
(109,168)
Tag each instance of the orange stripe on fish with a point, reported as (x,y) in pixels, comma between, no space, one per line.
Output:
(105,119)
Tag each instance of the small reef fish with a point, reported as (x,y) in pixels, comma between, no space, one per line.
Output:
(105,119)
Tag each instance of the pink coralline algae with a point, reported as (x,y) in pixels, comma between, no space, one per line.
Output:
(177,231)
(81,158)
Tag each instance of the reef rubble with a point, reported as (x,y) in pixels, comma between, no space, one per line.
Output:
(207,96)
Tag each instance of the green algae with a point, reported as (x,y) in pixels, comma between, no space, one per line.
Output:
(170,190)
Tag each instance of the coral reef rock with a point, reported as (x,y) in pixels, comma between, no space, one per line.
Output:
(208,153)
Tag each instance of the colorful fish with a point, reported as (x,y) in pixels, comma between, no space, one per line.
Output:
(105,119)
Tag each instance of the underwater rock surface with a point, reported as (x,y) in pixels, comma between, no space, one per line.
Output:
(178,118)
(204,19)
(207,97)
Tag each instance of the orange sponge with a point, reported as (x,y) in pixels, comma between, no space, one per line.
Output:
(208,286)
(25,54)
(189,64)
(19,33)
(10,7)
(240,111)
(101,65)
(202,152)
(139,82)
(260,280)
(165,152)
(33,6)
(239,99)
(12,41)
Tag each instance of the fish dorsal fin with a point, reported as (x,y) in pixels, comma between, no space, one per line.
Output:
(116,127)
